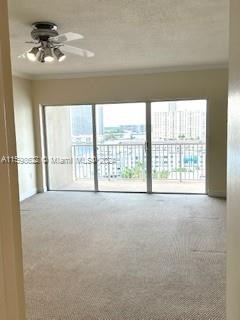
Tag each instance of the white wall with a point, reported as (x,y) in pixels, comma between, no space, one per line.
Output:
(209,84)
(22,90)
(233,221)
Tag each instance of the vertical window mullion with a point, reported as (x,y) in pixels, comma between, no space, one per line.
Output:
(94,133)
(149,147)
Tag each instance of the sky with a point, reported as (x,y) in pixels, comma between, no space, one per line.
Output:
(123,114)
(134,113)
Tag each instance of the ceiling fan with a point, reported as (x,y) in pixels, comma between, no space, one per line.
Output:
(47,43)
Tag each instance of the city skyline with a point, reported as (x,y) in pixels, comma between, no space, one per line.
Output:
(171,120)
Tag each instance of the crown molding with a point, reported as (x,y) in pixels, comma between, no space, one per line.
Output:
(119,72)
(22,75)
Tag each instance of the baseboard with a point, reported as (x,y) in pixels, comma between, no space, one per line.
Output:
(217,194)
(28,194)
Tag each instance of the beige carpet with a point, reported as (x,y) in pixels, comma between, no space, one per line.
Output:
(109,256)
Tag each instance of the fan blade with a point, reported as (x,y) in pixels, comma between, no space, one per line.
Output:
(69,36)
(78,51)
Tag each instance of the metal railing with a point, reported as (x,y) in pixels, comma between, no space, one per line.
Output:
(170,161)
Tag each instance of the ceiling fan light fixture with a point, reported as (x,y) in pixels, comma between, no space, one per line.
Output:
(47,43)
(48,56)
(59,54)
(41,56)
(32,54)
(48,59)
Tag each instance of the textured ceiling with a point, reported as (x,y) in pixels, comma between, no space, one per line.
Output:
(125,35)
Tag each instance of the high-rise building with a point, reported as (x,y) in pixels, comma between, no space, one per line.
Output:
(178,124)
(81,118)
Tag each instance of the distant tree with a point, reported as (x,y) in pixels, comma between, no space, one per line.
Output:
(133,173)
(160,174)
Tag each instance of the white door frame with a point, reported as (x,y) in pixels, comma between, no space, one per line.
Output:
(11,269)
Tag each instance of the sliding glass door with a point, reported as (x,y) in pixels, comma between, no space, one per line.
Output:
(179,146)
(121,152)
(69,143)
(129,147)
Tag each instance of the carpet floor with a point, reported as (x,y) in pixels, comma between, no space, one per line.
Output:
(109,256)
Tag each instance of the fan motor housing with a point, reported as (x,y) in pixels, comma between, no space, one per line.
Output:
(42,31)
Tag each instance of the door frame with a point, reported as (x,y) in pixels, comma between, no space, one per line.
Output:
(12,304)
(148,119)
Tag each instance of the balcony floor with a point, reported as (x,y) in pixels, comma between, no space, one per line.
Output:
(138,186)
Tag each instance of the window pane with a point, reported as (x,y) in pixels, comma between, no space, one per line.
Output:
(70,147)
(179,146)
(121,136)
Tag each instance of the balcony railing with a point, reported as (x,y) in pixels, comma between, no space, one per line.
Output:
(170,161)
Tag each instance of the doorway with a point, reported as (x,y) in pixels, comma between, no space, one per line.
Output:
(127,147)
